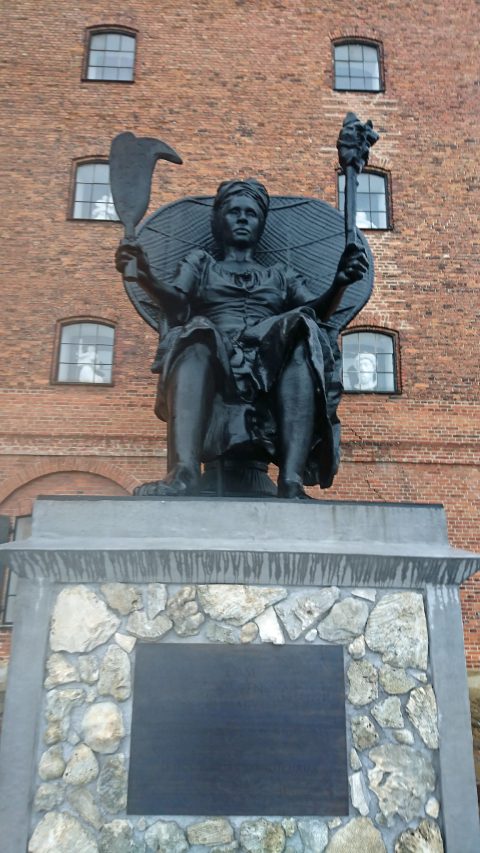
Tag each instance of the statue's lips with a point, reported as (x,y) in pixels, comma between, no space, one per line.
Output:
(241,230)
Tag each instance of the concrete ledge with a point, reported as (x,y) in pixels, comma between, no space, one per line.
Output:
(240,540)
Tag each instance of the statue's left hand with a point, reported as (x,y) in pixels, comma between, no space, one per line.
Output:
(129,250)
(352,266)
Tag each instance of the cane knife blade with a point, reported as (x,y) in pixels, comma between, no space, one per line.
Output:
(132,161)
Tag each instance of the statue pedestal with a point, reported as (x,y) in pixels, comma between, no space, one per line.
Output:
(104,581)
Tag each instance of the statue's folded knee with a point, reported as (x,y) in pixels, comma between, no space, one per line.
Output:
(299,353)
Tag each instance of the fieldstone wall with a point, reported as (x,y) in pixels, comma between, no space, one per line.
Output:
(81,790)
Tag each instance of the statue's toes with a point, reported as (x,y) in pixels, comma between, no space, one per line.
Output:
(162,489)
(148,489)
(170,490)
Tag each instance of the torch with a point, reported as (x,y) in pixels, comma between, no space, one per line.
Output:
(132,161)
(353,144)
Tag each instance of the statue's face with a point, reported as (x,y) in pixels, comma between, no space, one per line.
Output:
(241,221)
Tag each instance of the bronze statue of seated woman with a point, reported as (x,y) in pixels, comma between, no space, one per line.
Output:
(248,363)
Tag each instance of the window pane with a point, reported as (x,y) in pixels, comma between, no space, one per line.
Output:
(103,355)
(355,51)
(371,68)
(378,202)
(350,379)
(98,42)
(377,183)
(83,192)
(363,201)
(101,173)
(384,343)
(367,342)
(71,333)
(111,58)
(350,344)
(366,364)
(125,74)
(88,334)
(81,210)
(385,382)
(358,83)
(341,51)
(364,219)
(96,58)
(379,220)
(370,54)
(342,69)
(127,43)
(69,353)
(85,173)
(105,335)
(67,373)
(113,41)
(356,69)
(125,60)
(100,191)
(384,363)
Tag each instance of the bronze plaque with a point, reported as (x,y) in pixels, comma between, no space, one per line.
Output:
(238,730)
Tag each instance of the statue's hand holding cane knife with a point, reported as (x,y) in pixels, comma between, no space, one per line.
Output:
(132,161)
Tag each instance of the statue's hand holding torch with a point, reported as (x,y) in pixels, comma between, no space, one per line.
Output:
(353,144)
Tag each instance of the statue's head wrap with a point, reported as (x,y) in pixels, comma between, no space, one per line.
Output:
(227,189)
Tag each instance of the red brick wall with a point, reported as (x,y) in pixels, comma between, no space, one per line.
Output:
(244,88)
(5,642)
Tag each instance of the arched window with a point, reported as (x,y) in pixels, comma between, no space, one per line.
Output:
(85,353)
(92,195)
(373,209)
(357,66)
(369,360)
(110,55)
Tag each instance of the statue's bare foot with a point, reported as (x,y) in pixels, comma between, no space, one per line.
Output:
(181,481)
(291,489)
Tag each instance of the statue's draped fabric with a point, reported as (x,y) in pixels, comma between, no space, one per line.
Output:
(251,322)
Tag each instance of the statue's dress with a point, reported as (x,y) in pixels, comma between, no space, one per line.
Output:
(251,323)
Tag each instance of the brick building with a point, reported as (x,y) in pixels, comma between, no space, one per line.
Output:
(239,88)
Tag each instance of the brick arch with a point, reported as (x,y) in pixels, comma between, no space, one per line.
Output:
(356,32)
(37,470)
